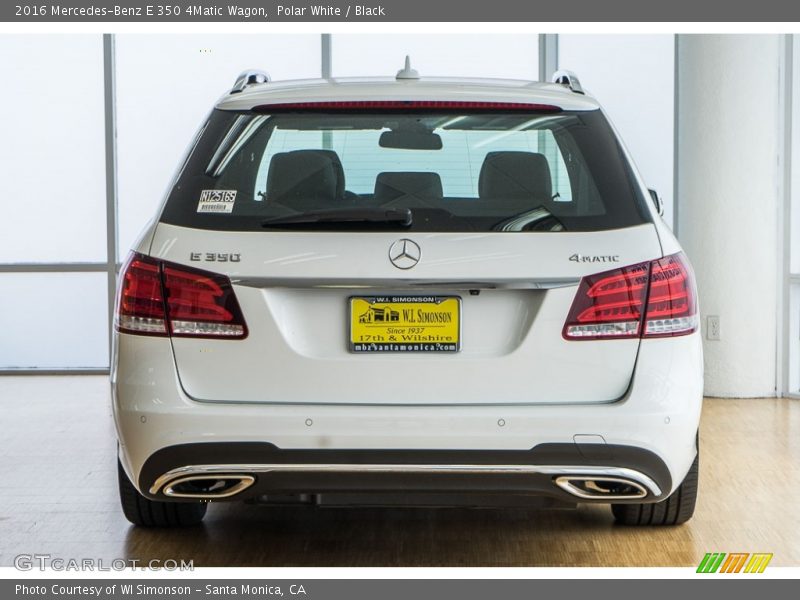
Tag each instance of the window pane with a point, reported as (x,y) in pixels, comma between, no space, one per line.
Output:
(166,85)
(53,112)
(794,338)
(794,232)
(452,171)
(54,320)
(793,358)
(505,56)
(633,78)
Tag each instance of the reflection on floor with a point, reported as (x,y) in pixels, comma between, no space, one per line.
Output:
(58,497)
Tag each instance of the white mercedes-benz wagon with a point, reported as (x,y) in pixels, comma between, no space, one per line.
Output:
(407,291)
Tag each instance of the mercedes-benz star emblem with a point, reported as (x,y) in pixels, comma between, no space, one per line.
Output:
(404,254)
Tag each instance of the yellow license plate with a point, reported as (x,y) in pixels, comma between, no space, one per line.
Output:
(405,324)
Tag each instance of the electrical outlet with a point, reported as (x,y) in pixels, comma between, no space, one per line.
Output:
(712,328)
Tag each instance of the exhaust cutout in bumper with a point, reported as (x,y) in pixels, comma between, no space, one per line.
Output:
(207,487)
(596,487)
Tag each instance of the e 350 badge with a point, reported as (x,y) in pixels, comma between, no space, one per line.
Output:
(220,257)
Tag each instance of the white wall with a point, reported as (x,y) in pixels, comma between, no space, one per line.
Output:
(633,78)
(52,108)
(728,182)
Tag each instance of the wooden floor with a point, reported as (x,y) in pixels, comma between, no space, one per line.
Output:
(58,496)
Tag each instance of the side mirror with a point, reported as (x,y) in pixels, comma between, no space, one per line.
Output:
(657,201)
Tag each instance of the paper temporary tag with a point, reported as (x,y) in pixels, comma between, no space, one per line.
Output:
(216,201)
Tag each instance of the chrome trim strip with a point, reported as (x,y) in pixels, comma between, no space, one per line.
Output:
(421,285)
(245,481)
(630,476)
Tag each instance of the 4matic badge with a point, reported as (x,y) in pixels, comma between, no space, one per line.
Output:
(594,258)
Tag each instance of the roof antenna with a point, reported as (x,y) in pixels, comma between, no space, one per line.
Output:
(407,72)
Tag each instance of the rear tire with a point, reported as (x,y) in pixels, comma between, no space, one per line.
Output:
(152,513)
(675,510)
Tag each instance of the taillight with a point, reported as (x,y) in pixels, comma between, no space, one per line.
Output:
(672,302)
(404,105)
(140,300)
(650,299)
(609,305)
(159,298)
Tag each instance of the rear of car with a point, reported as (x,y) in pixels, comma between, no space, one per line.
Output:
(407,292)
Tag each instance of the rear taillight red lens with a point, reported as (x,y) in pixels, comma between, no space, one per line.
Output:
(201,304)
(649,299)
(140,301)
(672,302)
(158,298)
(609,305)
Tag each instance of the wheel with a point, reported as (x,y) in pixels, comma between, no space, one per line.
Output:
(676,509)
(151,513)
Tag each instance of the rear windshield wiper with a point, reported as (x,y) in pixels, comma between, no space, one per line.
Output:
(537,219)
(358,216)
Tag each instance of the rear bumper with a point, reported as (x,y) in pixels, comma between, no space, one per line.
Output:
(650,432)
(262,470)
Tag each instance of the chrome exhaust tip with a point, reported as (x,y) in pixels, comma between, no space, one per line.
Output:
(589,487)
(208,487)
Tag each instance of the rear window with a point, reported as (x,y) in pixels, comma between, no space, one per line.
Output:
(454,171)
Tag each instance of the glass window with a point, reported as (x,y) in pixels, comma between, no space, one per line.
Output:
(54,202)
(454,171)
(60,320)
(794,338)
(179,78)
(794,213)
(458,164)
(792,360)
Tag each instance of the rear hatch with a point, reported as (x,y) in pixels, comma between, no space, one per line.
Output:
(294,290)
(429,255)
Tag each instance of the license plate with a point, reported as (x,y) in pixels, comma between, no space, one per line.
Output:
(405,324)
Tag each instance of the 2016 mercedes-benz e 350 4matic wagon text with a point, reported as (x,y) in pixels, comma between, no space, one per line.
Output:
(407,291)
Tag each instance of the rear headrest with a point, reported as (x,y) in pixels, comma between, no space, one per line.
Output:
(393,185)
(305,179)
(515,176)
